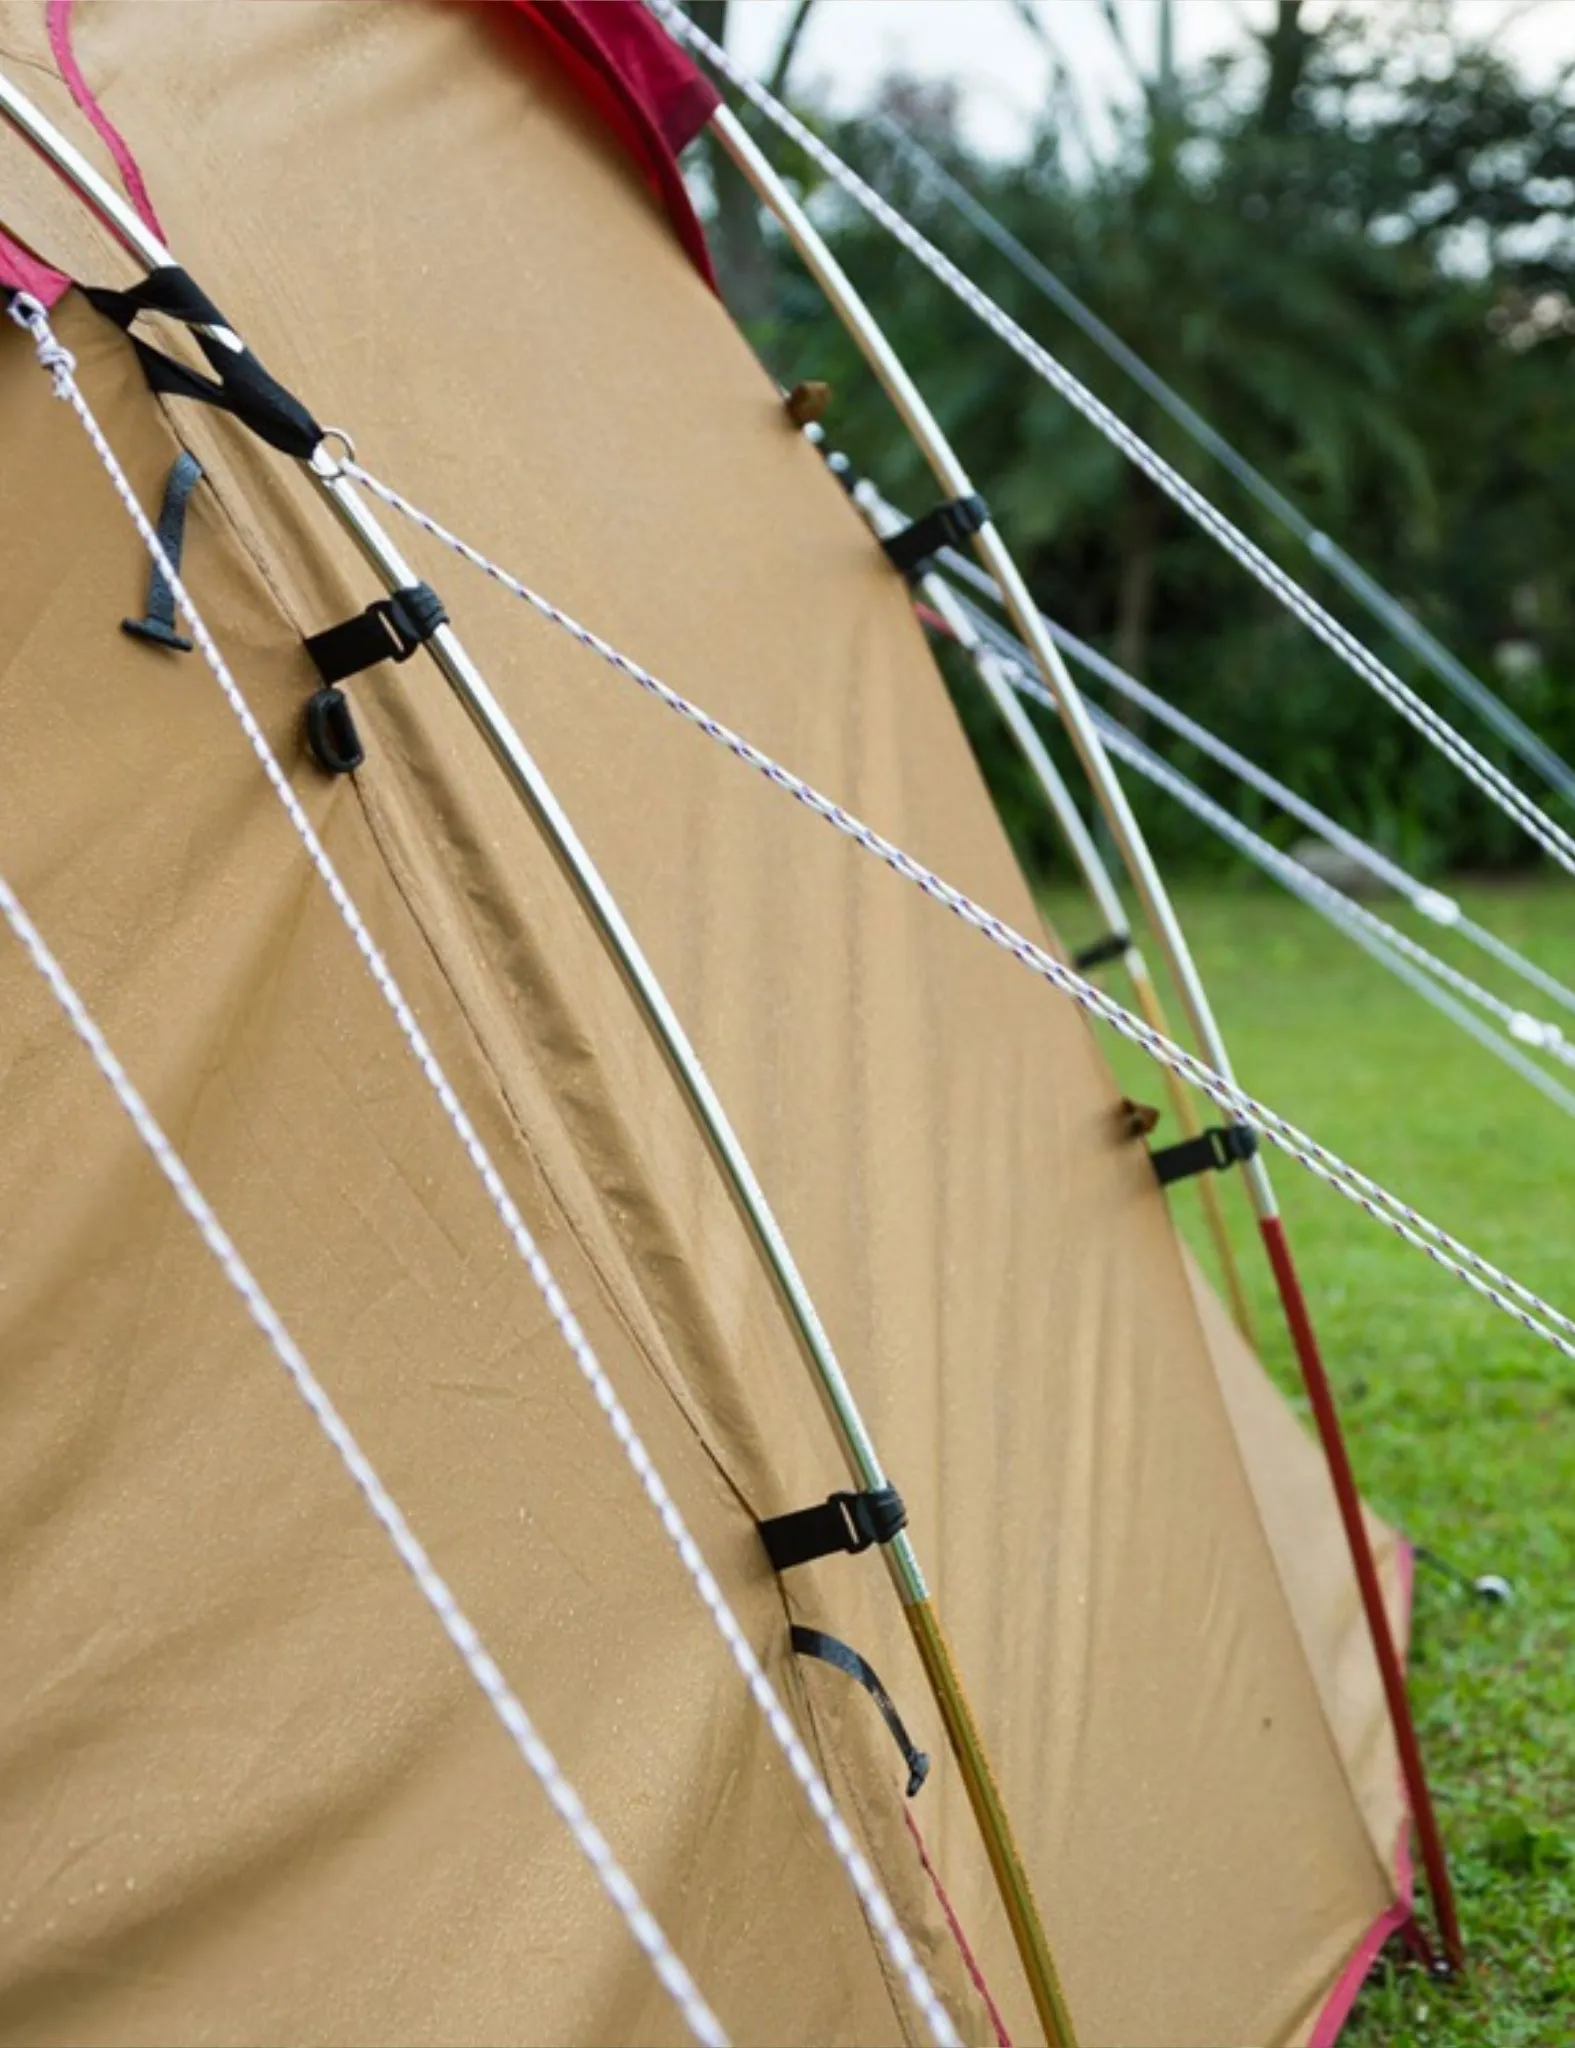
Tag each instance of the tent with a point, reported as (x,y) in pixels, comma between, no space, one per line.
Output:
(245,1791)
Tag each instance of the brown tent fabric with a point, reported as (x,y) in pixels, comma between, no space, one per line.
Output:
(245,1794)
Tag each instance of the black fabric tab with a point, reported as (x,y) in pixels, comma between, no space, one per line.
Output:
(916,546)
(390,630)
(158,622)
(1212,1151)
(812,1642)
(240,384)
(846,1522)
(1102,952)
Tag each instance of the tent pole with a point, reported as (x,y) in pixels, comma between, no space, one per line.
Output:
(596,899)
(954,480)
(938,594)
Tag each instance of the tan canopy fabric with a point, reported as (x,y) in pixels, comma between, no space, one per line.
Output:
(246,1794)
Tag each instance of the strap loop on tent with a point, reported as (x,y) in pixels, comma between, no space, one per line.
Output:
(1102,951)
(389,630)
(812,1642)
(240,384)
(913,549)
(331,735)
(1220,1146)
(846,1522)
(158,621)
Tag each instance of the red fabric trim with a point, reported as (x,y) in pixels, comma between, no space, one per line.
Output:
(645,90)
(1002,2037)
(59,19)
(1337,2007)
(22,272)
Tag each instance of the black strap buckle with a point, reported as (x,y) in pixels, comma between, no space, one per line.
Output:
(390,630)
(1222,1146)
(914,548)
(1100,954)
(848,1522)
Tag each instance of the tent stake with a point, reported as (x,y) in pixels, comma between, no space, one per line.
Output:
(531,786)
(992,551)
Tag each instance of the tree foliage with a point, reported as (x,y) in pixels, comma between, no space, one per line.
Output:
(1351,248)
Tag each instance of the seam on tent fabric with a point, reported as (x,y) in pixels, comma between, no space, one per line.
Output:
(408,889)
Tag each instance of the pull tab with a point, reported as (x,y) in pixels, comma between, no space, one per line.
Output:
(158,622)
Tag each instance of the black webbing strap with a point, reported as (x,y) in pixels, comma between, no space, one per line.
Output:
(1214,1150)
(811,1642)
(239,385)
(390,630)
(158,621)
(1102,952)
(845,1522)
(914,548)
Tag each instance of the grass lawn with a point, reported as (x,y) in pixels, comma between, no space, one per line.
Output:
(1461,1426)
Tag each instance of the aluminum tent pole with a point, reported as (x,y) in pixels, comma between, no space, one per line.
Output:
(941,598)
(1139,862)
(596,899)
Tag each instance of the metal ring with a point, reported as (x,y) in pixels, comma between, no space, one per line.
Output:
(338,434)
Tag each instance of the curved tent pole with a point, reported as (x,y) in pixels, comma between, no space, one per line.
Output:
(938,594)
(954,480)
(596,899)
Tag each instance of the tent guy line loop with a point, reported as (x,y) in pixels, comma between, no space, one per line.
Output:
(1518,1302)
(1492,782)
(61,365)
(462,1633)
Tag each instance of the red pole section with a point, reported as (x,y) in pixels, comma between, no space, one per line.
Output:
(1332,1437)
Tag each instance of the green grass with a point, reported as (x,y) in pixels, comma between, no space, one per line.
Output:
(1462,1427)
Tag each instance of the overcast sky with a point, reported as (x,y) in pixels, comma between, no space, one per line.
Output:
(1002,67)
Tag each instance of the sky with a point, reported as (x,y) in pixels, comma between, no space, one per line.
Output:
(1001,67)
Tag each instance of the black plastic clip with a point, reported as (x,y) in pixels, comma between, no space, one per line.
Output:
(390,630)
(1213,1150)
(846,1522)
(814,1642)
(913,549)
(1102,952)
